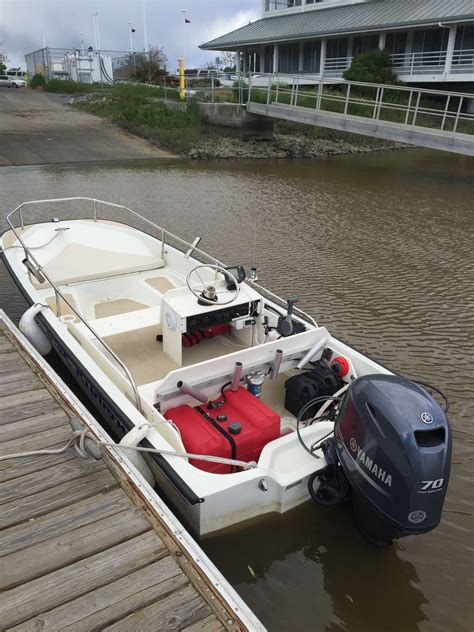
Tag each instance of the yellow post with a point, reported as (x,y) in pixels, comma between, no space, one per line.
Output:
(182,88)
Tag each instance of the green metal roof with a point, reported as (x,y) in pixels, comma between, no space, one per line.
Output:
(374,15)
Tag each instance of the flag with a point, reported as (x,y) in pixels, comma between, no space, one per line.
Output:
(186,21)
(132,29)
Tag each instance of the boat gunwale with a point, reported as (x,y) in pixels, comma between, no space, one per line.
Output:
(164,232)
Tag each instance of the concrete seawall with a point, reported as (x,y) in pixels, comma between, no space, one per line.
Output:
(235,116)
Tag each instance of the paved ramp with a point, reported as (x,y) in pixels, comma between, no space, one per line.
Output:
(37,129)
(425,118)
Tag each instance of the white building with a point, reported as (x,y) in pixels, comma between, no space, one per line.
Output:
(430,41)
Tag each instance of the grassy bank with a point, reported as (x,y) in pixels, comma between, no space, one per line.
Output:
(138,109)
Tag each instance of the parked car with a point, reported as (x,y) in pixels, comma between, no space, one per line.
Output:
(11,82)
(227,79)
(18,74)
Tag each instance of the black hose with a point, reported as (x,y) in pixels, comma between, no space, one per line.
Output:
(224,398)
(304,410)
(436,390)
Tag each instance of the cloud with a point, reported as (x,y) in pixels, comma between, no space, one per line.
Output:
(21,24)
(222,25)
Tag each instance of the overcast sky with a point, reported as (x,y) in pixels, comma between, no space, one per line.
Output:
(21,25)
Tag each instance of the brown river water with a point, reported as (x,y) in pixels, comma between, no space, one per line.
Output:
(379,248)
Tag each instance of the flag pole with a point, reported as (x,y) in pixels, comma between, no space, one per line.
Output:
(145,32)
(131,30)
(96,18)
(184,11)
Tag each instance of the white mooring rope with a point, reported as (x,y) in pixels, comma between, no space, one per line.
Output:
(79,437)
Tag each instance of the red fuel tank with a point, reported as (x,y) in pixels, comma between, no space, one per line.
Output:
(239,428)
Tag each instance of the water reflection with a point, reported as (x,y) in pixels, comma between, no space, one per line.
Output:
(379,247)
(336,579)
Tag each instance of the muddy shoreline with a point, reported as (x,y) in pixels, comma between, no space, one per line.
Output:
(286,145)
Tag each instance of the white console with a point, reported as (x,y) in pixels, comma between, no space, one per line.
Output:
(181,312)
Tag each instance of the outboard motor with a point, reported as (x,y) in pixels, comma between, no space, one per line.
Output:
(393,443)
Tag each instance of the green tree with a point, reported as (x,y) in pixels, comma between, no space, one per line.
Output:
(372,67)
(144,67)
(3,60)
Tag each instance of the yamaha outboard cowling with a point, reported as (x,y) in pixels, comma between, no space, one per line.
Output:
(394,444)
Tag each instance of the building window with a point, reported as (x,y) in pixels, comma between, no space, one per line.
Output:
(289,58)
(311,56)
(364,43)
(275,5)
(464,38)
(337,48)
(464,47)
(432,44)
(430,41)
(268,59)
(396,43)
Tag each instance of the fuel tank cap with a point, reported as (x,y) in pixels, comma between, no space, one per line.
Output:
(235,427)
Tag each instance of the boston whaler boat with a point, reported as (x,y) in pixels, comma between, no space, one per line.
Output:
(250,406)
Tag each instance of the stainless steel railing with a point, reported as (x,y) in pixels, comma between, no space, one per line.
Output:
(59,296)
(398,104)
(95,212)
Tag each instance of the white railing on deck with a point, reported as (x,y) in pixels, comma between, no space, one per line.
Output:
(463,61)
(445,112)
(336,65)
(420,63)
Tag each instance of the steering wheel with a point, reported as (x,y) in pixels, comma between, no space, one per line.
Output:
(209,287)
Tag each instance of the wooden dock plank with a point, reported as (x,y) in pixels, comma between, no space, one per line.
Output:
(57,588)
(209,624)
(75,553)
(18,399)
(32,484)
(58,435)
(9,377)
(53,498)
(28,409)
(5,344)
(25,385)
(178,610)
(20,467)
(28,427)
(59,522)
(111,602)
(50,555)
(11,361)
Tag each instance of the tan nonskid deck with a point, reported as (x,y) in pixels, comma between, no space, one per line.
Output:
(75,551)
(144,356)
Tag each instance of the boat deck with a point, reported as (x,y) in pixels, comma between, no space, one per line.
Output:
(77,553)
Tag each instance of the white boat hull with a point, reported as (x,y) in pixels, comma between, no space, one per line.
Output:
(206,502)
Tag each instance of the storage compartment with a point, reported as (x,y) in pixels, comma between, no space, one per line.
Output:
(302,388)
(239,428)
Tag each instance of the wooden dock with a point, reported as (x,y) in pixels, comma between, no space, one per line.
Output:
(84,544)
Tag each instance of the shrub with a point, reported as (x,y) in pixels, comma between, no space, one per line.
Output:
(372,67)
(66,86)
(137,109)
(37,81)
